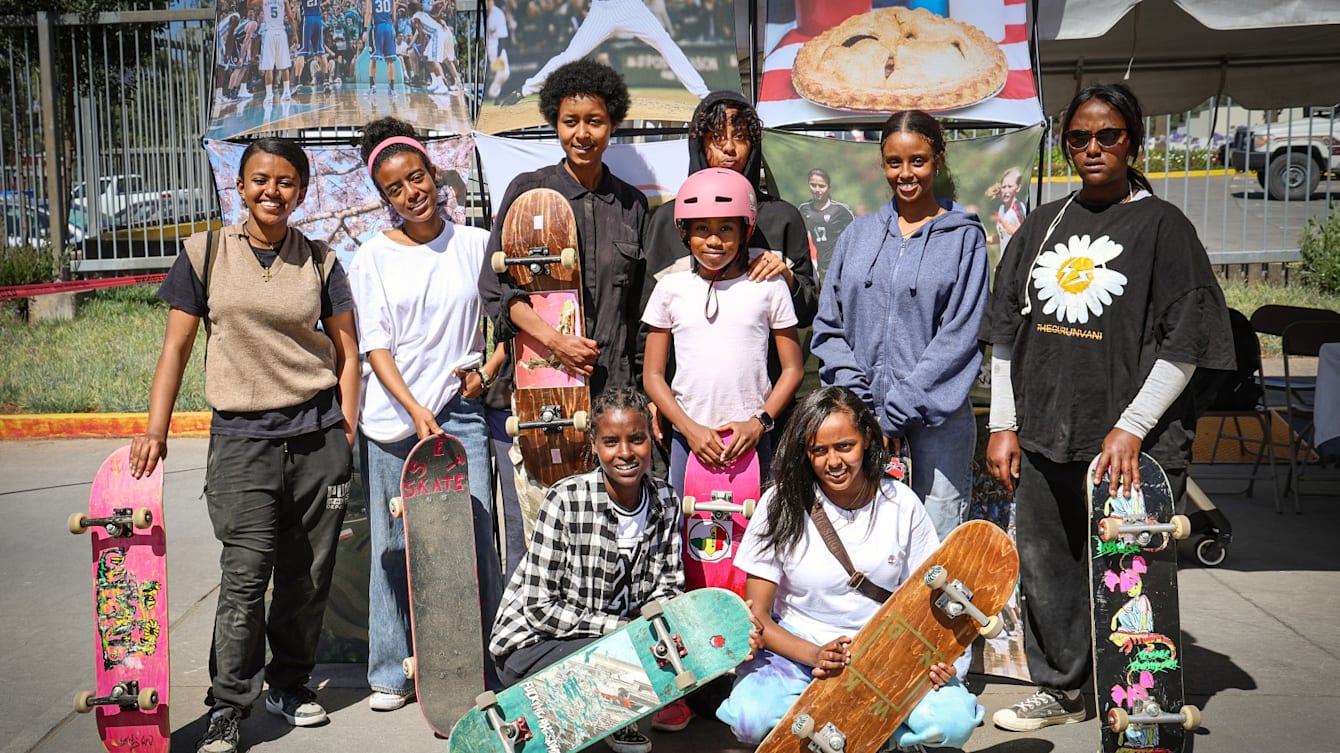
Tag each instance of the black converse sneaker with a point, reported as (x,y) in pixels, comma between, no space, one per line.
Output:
(221,735)
(629,740)
(1042,709)
(296,704)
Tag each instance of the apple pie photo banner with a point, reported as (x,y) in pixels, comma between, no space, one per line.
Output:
(851,60)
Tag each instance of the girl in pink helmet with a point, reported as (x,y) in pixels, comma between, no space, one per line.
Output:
(719,322)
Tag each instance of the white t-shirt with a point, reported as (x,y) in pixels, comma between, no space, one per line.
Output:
(886,540)
(422,304)
(721,365)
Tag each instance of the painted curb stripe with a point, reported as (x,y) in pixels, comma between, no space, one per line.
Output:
(97,425)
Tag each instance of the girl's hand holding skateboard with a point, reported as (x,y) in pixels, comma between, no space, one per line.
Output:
(832,657)
(942,673)
(145,452)
(705,445)
(425,423)
(744,437)
(577,354)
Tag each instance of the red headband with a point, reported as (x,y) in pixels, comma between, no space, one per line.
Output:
(406,140)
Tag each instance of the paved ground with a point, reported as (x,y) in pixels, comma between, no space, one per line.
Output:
(1261,648)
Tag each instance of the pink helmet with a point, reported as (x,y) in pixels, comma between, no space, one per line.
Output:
(717,192)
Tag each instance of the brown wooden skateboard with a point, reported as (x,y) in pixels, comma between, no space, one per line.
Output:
(1137,668)
(932,617)
(551,405)
(445,622)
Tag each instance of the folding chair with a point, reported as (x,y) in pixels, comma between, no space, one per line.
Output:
(1302,339)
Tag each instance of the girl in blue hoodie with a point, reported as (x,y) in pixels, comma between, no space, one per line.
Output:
(899,313)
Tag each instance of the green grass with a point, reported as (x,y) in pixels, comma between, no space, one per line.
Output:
(103,361)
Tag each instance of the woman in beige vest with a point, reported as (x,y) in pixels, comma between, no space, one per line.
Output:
(284,393)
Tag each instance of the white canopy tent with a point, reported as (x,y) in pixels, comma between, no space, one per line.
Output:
(1264,54)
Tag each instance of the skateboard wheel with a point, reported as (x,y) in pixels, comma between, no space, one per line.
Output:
(686,505)
(686,679)
(513,426)
(396,505)
(147,700)
(1181,526)
(75,523)
(748,510)
(1107,529)
(142,518)
(81,702)
(992,627)
(803,726)
(486,700)
(1190,718)
(581,421)
(408,667)
(937,577)
(498,262)
(1118,720)
(1209,552)
(652,609)
(568,258)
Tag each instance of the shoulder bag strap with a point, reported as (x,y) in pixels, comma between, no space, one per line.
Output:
(857,580)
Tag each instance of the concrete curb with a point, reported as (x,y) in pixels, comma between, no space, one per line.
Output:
(96,425)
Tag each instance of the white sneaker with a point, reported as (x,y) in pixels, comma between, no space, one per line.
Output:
(380,701)
(286,97)
(629,740)
(269,98)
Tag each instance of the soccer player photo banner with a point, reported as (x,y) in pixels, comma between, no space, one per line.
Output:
(283,65)
(846,60)
(670,59)
(343,207)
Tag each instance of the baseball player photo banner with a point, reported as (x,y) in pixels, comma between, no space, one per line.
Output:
(834,181)
(656,169)
(342,206)
(296,64)
(847,60)
(669,58)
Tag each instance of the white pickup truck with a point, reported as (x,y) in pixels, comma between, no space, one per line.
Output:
(1289,158)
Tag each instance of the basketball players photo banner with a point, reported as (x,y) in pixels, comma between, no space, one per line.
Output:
(669,60)
(324,63)
(342,206)
(836,60)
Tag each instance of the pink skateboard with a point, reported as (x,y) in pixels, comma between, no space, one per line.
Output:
(125,524)
(717,507)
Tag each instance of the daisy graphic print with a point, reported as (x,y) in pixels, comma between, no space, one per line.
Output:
(1073,280)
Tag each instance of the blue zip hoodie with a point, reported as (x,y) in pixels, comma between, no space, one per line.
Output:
(899,317)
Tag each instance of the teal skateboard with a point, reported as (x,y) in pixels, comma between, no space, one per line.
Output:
(675,647)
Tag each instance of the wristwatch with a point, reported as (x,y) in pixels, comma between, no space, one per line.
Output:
(766,420)
(485,380)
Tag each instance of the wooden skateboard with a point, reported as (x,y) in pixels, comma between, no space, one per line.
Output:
(932,617)
(539,241)
(1137,670)
(445,623)
(125,524)
(717,506)
(675,646)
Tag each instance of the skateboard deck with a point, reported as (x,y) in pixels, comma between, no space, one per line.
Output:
(125,524)
(858,710)
(445,623)
(717,507)
(539,242)
(1137,668)
(899,467)
(615,681)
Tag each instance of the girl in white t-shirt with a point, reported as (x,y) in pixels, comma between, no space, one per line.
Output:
(831,455)
(719,322)
(416,297)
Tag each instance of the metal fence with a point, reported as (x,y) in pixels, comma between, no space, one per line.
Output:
(119,101)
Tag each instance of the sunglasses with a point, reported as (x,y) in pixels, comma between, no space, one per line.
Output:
(1107,137)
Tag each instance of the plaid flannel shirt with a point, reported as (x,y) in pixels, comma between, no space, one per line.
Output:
(564,585)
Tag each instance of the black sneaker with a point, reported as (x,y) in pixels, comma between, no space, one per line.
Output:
(629,740)
(296,704)
(221,735)
(509,99)
(1042,709)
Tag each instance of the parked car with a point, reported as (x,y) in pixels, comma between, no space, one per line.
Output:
(1290,158)
(30,225)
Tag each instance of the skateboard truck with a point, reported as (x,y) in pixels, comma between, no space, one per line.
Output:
(668,647)
(1111,529)
(510,734)
(721,502)
(829,739)
(551,420)
(118,524)
(955,599)
(1150,714)
(127,695)
(537,260)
